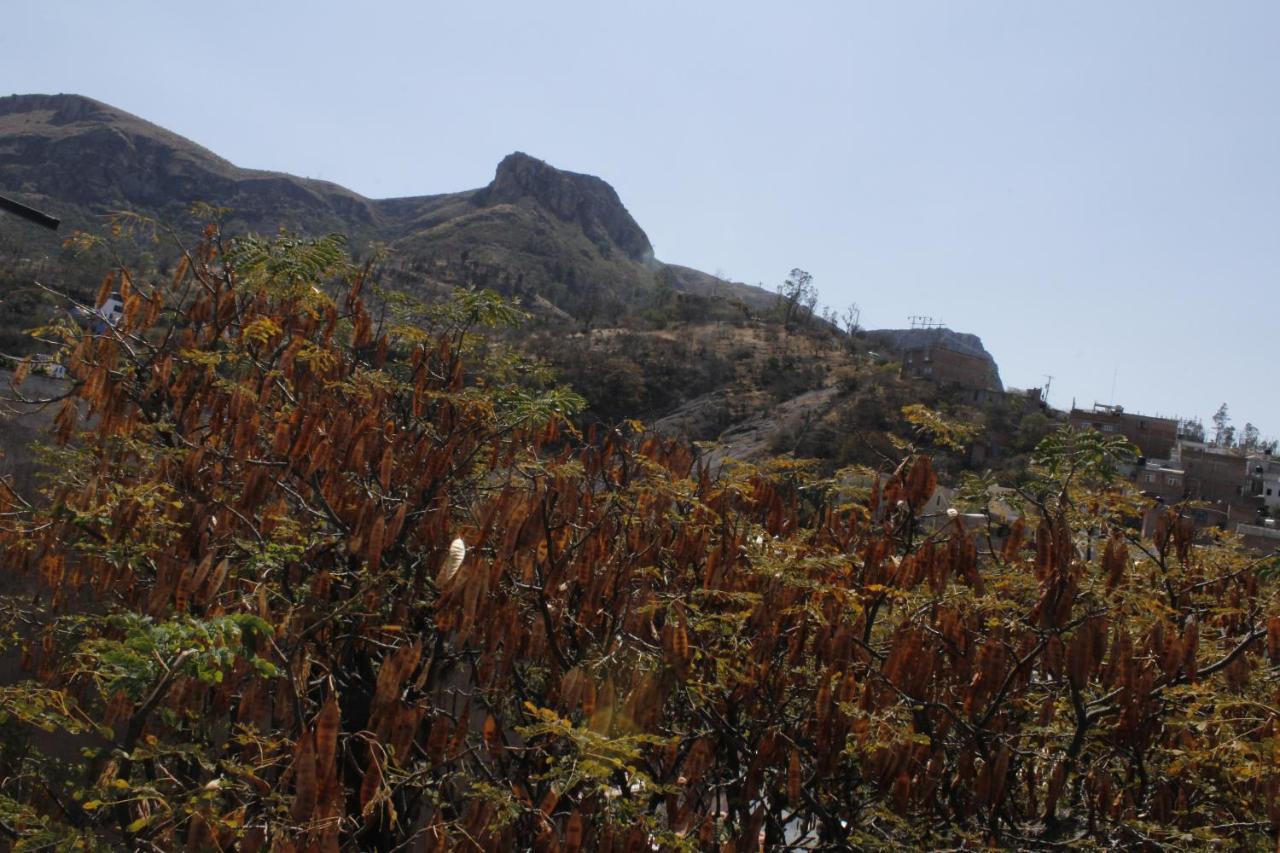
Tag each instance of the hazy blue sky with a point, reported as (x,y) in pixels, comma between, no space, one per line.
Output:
(1091,187)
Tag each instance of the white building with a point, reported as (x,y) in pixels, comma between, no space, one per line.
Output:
(1262,479)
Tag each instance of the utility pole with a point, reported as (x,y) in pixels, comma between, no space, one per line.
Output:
(1048,383)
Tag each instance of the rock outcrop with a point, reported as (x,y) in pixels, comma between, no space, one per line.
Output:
(584,200)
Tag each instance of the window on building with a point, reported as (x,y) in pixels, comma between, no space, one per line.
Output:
(1151,478)
(1171,481)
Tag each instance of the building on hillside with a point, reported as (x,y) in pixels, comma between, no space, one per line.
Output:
(990,526)
(938,354)
(947,366)
(109,314)
(1262,480)
(1201,517)
(1157,478)
(1155,437)
(939,502)
(1213,474)
(1032,396)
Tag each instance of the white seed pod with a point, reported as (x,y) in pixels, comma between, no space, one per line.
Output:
(952,512)
(457,552)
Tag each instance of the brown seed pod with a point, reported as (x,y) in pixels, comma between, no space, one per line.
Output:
(1114,562)
(327,725)
(304,779)
(573,832)
(384,468)
(1191,648)
(491,735)
(374,545)
(182,592)
(680,647)
(213,585)
(396,524)
(438,739)
(548,803)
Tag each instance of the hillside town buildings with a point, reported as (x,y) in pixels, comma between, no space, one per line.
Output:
(1229,488)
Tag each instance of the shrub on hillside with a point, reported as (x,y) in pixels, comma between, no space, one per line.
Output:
(310,581)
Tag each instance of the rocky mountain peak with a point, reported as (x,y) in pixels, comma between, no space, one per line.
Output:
(585,200)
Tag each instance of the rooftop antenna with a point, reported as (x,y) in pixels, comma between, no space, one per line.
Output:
(29,213)
(1048,382)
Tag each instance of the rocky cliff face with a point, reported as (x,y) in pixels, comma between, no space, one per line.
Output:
(583,200)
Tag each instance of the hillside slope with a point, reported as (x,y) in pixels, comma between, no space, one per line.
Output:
(637,337)
(81,158)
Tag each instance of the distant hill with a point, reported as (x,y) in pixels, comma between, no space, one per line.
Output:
(534,231)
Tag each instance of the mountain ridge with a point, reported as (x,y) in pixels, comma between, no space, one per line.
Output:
(533,230)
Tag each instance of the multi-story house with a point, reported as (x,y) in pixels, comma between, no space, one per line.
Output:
(1160,479)
(1262,480)
(1155,437)
(1214,474)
